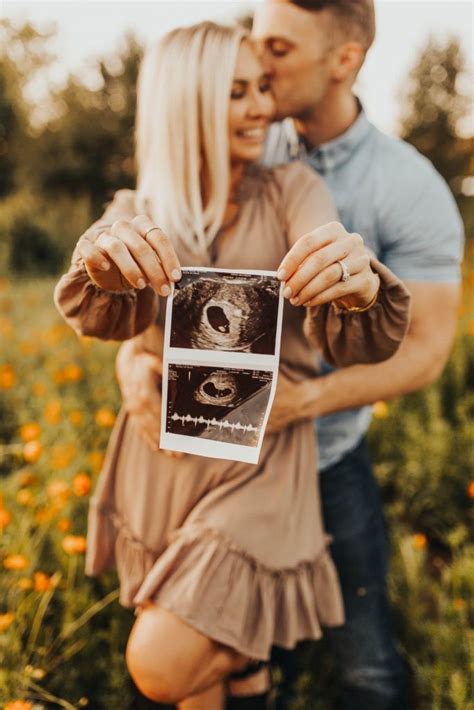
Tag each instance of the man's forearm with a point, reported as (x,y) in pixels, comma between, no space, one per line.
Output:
(410,369)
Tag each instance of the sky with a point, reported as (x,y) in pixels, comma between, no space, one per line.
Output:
(89,29)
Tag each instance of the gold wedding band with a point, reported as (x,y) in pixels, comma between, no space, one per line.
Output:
(150,230)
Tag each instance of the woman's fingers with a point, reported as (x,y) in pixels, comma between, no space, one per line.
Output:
(331,276)
(362,284)
(321,262)
(119,253)
(144,255)
(161,244)
(306,245)
(93,257)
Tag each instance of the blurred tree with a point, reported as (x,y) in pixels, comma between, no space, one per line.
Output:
(434,107)
(22,54)
(87,148)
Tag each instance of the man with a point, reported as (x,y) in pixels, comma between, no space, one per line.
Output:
(393,197)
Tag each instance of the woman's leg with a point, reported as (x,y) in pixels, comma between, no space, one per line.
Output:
(170,661)
(211,699)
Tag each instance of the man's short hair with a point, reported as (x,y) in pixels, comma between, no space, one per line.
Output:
(355,18)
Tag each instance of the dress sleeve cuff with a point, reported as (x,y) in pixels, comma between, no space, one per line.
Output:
(109,315)
(348,338)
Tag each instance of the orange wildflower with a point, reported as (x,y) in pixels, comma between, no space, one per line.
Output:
(75,417)
(15,562)
(18,705)
(30,431)
(7,377)
(24,583)
(25,497)
(32,450)
(73,373)
(64,524)
(5,518)
(58,489)
(74,544)
(4,284)
(43,582)
(470,489)
(44,515)
(459,604)
(380,410)
(6,620)
(52,412)
(105,417)
(39,389)
(81,484)
(419,541)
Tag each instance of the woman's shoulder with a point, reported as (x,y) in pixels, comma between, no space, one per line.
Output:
(296,174)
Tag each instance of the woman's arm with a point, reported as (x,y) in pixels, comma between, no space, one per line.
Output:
(117,266)
(359,320)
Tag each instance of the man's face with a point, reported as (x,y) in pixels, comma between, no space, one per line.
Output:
(296,47)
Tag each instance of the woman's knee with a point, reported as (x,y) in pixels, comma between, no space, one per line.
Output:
(169,661)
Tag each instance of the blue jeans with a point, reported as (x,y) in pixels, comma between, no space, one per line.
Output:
(371,673)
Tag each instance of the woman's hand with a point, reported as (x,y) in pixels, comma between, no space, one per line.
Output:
(130,254)
(313,276)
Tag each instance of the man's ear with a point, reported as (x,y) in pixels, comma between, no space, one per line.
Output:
(348,60)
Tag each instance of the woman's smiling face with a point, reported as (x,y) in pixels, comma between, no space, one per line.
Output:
(251,108)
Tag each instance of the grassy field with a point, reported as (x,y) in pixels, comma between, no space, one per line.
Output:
(58,402)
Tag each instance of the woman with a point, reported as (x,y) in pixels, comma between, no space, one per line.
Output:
(221,560)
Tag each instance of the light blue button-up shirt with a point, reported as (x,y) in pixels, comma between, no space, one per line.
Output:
(390,194)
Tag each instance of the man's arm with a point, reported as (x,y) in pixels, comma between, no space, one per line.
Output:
(418,362)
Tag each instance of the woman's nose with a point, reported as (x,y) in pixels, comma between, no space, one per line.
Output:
(260,106)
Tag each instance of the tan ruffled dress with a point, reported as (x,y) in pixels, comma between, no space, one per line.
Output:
(238,551)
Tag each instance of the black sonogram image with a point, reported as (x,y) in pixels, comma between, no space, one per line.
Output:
(229,312)
(222,404)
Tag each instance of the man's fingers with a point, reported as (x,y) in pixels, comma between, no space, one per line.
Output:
(161,244)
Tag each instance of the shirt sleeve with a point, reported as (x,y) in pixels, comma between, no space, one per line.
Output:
(91,310)
(421,230)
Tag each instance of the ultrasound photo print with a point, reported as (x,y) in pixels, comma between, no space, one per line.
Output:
(221,404)
(229,312)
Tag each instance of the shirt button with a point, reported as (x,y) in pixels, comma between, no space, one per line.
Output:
(361,591)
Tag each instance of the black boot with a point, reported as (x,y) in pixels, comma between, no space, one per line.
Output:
(248,702)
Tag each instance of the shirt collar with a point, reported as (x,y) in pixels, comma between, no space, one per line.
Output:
(334,153)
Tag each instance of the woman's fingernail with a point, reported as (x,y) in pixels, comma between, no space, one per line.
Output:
(176,274)
(165,290)
(287,292)
(294,301)
(281,274)
(105,266)
(141,283)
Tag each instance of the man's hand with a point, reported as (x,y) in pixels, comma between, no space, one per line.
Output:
(139,376)
(287,405)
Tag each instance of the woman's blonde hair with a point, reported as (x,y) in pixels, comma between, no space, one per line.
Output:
(184,90)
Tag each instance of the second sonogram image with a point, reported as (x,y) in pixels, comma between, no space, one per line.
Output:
(222,404)
(229,312)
